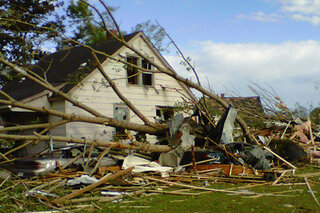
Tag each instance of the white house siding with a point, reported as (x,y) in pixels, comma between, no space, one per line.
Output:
(37,101)
(58,105)
(102,98)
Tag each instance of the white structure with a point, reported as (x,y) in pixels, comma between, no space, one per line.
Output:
(147,91)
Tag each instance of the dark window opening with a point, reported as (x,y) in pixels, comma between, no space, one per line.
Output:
(147,79)
(132,72)
(165,113)
(146,65)
(120,134)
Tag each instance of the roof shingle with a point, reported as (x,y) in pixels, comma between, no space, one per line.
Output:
(59,66)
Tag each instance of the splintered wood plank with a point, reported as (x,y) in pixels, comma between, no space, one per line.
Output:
(228,169)
(92,186)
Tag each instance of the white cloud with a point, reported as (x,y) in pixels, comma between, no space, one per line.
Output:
(261,16)
(309,7)
(302,10)
(315,20)
(291,68)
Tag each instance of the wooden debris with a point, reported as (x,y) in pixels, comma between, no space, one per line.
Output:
(108,199)
(229,170)
(99,160)
(197,175)
(88,188)
(278,179)
(4,180)
(193,187)
(174,193)
(279,157)
(310,190)
(45,185)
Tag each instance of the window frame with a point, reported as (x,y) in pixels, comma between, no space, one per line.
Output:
(140,81)
(120,133)
(134,70)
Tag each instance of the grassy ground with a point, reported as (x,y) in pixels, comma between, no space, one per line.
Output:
(297,200)
(218,202)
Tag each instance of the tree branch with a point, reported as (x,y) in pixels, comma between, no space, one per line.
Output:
(95,120)
(119,94)
(102,143)
(47,85)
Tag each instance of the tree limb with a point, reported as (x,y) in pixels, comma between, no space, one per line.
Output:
(102,143)
(119,94)
(50,87)
(95,120)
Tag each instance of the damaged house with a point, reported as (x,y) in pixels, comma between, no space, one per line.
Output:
(72,71)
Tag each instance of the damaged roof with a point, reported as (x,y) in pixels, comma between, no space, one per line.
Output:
(245,103)
(250,108)
(63,67)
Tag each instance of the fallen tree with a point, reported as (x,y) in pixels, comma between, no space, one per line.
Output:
(97,117)
(99,143)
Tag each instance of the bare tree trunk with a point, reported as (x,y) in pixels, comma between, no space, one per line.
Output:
(95,120)
(119,94)
(102,143)
(51,88)
(150,128)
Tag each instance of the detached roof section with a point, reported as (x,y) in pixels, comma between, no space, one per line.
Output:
(65,66)
(250,108)
(246,103)
(252,104)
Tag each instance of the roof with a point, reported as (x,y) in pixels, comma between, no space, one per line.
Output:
(246,103)
(61,67)
(241,103)
(250,108)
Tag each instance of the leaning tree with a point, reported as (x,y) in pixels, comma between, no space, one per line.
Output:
(95,116)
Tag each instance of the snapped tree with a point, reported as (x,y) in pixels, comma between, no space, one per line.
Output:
(24,24)
(99,118)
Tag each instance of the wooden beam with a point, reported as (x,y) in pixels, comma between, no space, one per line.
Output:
(92,186)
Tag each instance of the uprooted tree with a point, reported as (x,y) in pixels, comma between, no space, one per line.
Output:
(93,115)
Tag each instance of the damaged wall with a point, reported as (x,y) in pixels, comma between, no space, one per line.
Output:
(93,92)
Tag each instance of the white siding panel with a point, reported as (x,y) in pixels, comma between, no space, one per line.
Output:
(101,97)
(60,130)
(90,131)
(37,102)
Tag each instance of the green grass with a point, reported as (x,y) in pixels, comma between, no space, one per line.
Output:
(299,200)
(222,202)
(294,201)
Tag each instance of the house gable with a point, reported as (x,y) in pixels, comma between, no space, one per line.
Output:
(72,71)
(95,91)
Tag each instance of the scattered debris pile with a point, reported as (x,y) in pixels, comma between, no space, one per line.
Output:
(195,154)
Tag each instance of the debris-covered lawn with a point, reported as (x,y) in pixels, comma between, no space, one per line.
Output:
(196,167)
(144,192)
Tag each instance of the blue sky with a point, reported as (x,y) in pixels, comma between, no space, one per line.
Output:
(218,20)
(232,42)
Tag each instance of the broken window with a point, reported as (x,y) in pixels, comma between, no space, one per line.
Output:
(147,79)
(135,76)
(132,72)
(164,113)
(121,112)
(146,76)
